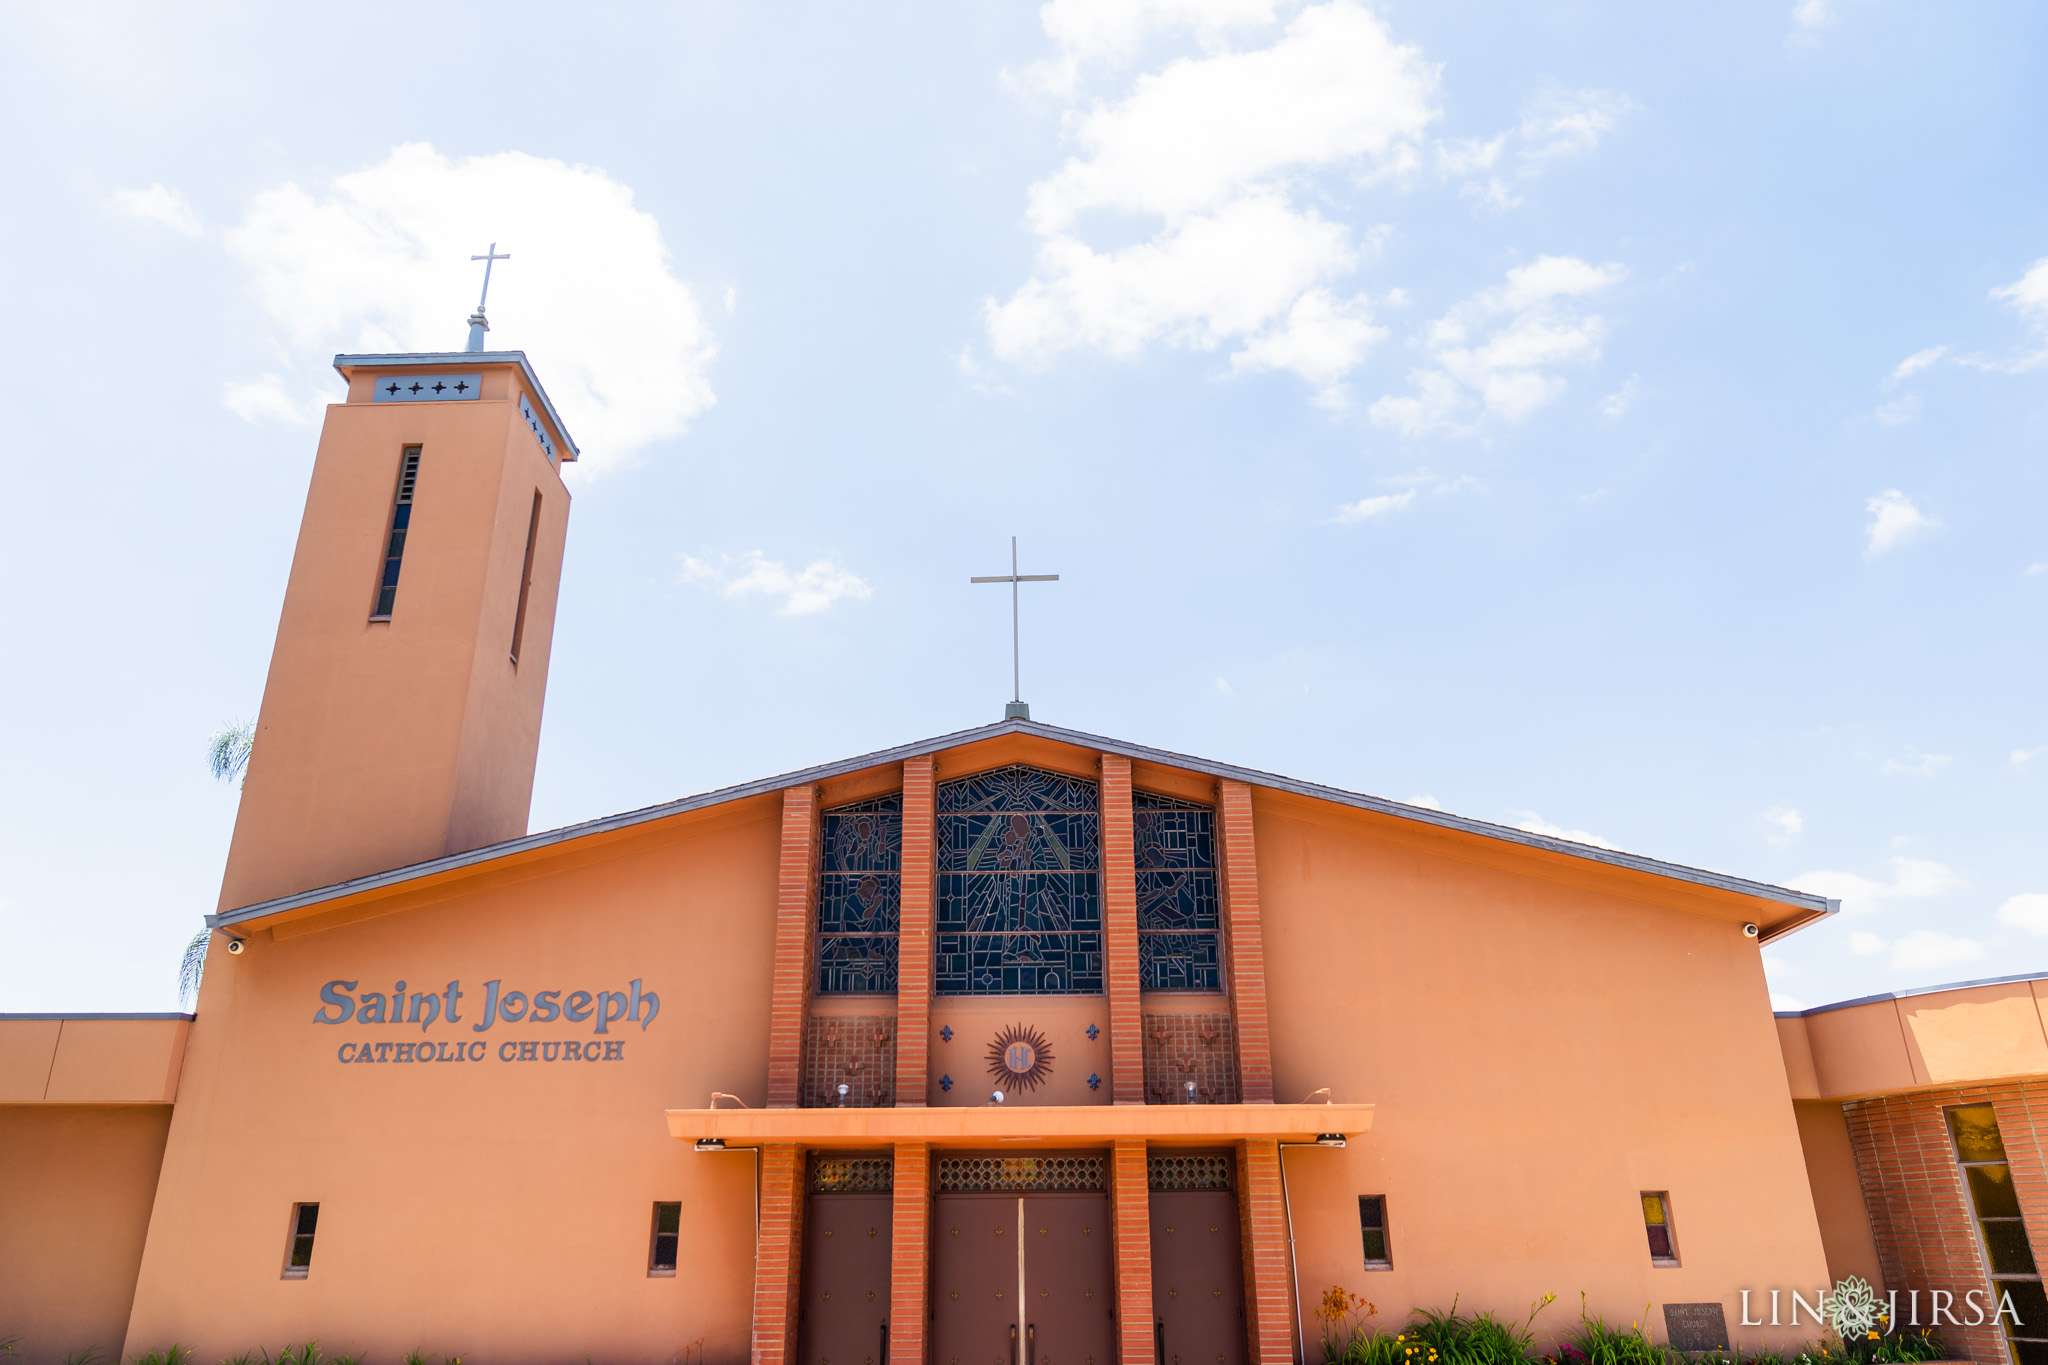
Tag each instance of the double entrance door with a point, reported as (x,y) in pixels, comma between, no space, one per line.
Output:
(1022,1279)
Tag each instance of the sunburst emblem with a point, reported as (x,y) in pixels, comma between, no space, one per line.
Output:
(1020,1057)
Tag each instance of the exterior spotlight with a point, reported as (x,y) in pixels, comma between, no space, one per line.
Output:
(843,1088)
(235,944)
(710,1144)
(1191,1092)
(1329,1139)
(996,1098)
(1749,931)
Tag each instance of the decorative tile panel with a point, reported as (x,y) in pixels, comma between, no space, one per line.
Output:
(1021,1174)
(428,388)
(540,431)
(857,1051)
(852,1174)
(1020,885)
(1190,1047)
(1207,1171)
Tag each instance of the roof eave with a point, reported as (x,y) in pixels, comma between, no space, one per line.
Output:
(447,359)
(1808,908)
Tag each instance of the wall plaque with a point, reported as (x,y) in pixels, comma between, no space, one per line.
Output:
(1696,1326)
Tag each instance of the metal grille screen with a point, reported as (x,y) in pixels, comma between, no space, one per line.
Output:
(1189,1172)
(976,1174)
(852,1175)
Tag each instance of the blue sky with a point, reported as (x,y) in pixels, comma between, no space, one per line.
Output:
(1617,420)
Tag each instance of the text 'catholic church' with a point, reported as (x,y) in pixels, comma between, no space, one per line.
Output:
(718,1079)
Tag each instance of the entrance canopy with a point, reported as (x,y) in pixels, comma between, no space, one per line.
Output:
(1025,1125)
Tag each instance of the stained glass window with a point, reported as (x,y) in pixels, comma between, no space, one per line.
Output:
(1177,906)
(860,885)
(1020,885)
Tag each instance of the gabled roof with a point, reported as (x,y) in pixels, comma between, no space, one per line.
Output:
(1815,906)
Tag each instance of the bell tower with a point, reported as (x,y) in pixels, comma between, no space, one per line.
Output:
(401,717)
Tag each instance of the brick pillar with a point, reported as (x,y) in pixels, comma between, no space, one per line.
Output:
(1131,1206)
(1120,939)
(791,992)
(777,1256)
(914,939)
(910,1252)
(1244,944)
(1268,1284)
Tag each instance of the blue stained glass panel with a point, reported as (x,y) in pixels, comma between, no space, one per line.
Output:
(860,887)
(1178,909)
(1020,885)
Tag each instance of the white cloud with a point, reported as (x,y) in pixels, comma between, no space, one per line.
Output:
(805,592)
(1112,32)
(1566,123)
(1783,826)
(1495,352)
(1894,520)
(1322,340)
(1621,400)
(162,206)
(2034,570)
(379,261)
(1224,689)
(1365,509)
(1536,824)
(2020,758)
(1919,361)
(1808,16)
(1899,413)
(1928,949)
(1911,879)
(2029,293)
(2028,911)
(265,399)
(1426,802)
(1211,153)
(1915,764)
(1789,1004)
(1866,944)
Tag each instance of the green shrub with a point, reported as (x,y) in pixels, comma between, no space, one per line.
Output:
(174,1354)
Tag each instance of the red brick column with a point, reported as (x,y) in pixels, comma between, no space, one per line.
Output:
(914,939)
(791,991)
(1919,1210)
(1120,941)
(1268,1285)
(777,1255)
(1244,944)
(910,1252)
(1130,1198)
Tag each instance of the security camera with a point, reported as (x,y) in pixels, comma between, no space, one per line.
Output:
(1749,931)
(234,944)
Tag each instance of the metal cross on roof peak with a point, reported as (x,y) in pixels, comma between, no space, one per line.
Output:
(492,255)
(1016,710)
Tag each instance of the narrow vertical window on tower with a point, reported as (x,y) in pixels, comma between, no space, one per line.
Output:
(2002,1229)
(1177,917)
(526,577)
(1657,1224)
(298,1254)
(394,544)
(860,888)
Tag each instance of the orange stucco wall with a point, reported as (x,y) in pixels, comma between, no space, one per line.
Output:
(1544,1043)
(1837,1193)
(76,1185)
(493,1208)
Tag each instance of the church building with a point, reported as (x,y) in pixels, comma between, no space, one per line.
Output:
(1011,1046)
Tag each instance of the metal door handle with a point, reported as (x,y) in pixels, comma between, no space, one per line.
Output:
(1031,1342)
(1013,1344)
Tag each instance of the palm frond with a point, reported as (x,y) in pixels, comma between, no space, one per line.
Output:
(227,753)
(192,967)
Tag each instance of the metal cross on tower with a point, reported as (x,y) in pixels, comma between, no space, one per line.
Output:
(477,325)
(1016,710)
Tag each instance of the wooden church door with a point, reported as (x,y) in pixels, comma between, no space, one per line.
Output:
(1024,1275)
(843,1311)
(1197,1262)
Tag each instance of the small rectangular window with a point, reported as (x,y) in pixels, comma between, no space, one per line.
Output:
(1372,1226)
(526,578)
(394,544)
(668,1224)
(298,1257)
(1657,1223)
